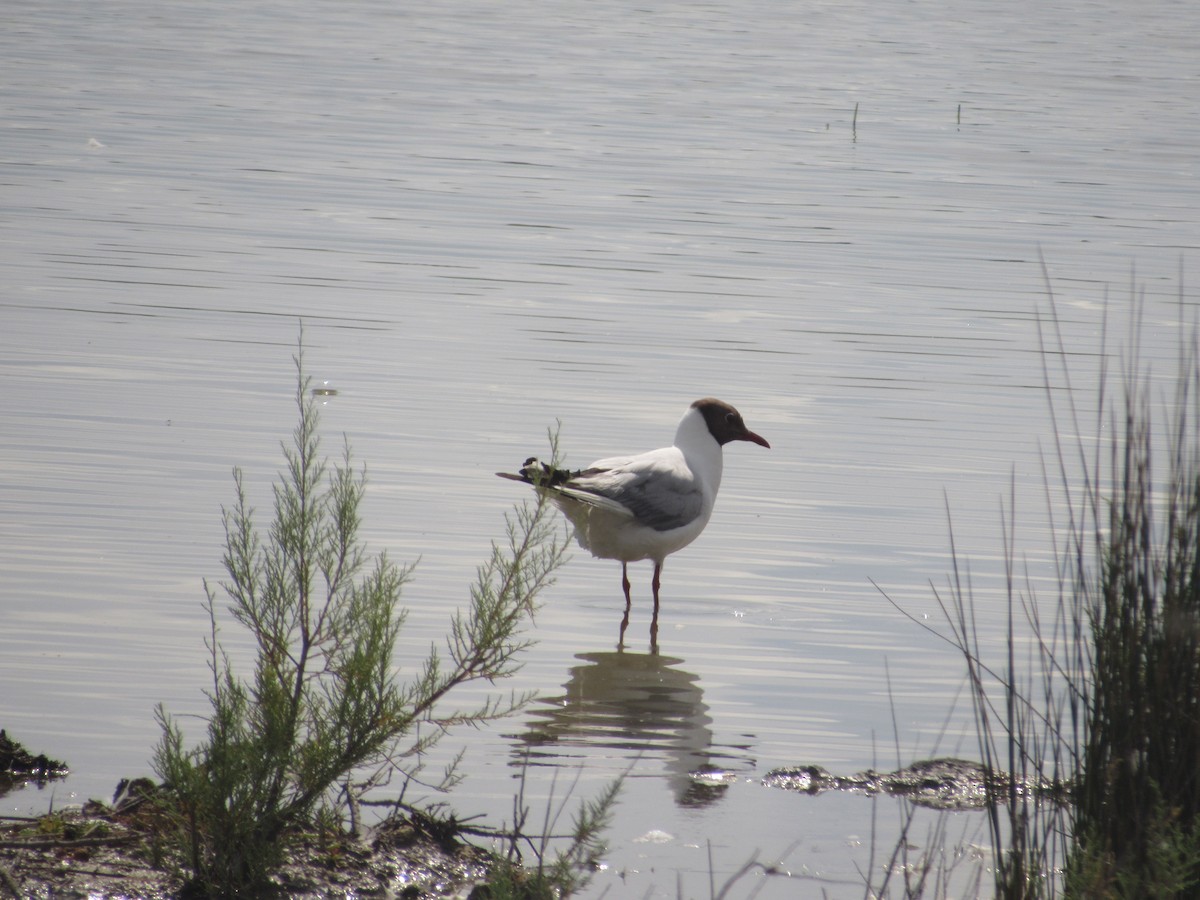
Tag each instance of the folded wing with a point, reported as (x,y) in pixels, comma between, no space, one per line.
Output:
(657,489)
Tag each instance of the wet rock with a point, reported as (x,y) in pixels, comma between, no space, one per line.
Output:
(935,783)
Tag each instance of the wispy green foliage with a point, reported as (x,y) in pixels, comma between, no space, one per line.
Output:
(322,701)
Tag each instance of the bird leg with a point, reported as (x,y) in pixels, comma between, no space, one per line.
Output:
(654,621)
(628,603)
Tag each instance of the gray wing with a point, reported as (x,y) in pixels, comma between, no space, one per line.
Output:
(658,493)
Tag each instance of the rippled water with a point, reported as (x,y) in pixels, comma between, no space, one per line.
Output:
(491,219)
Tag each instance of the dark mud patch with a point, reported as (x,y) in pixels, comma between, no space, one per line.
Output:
(947,784)
(119,853)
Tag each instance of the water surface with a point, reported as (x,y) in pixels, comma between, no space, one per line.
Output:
(494,219)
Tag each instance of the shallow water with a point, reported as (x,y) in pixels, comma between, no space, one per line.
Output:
(493,219)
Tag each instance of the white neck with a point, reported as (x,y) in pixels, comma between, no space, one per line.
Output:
(700,449)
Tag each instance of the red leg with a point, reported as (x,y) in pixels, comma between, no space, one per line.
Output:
(625,618)
(654,621)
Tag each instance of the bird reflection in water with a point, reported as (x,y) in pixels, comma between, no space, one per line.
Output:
(637,704)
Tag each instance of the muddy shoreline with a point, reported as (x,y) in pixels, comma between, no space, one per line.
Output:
(107,852)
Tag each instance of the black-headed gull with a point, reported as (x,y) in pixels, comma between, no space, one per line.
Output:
(650,505)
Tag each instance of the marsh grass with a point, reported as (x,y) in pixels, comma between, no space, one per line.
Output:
(925,859)
(1116,721)
(1025,724)
(1137,796)
(1092,714)
(546,862)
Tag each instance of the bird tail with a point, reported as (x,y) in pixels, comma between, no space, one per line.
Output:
(540,474)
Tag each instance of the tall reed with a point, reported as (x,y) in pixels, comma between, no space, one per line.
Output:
(1137,796)
(1090,724)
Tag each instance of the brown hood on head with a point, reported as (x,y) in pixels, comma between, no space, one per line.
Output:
(725,423)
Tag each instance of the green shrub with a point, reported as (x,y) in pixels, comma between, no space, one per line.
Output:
(322,701)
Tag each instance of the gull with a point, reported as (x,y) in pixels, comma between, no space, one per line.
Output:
(647,506)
